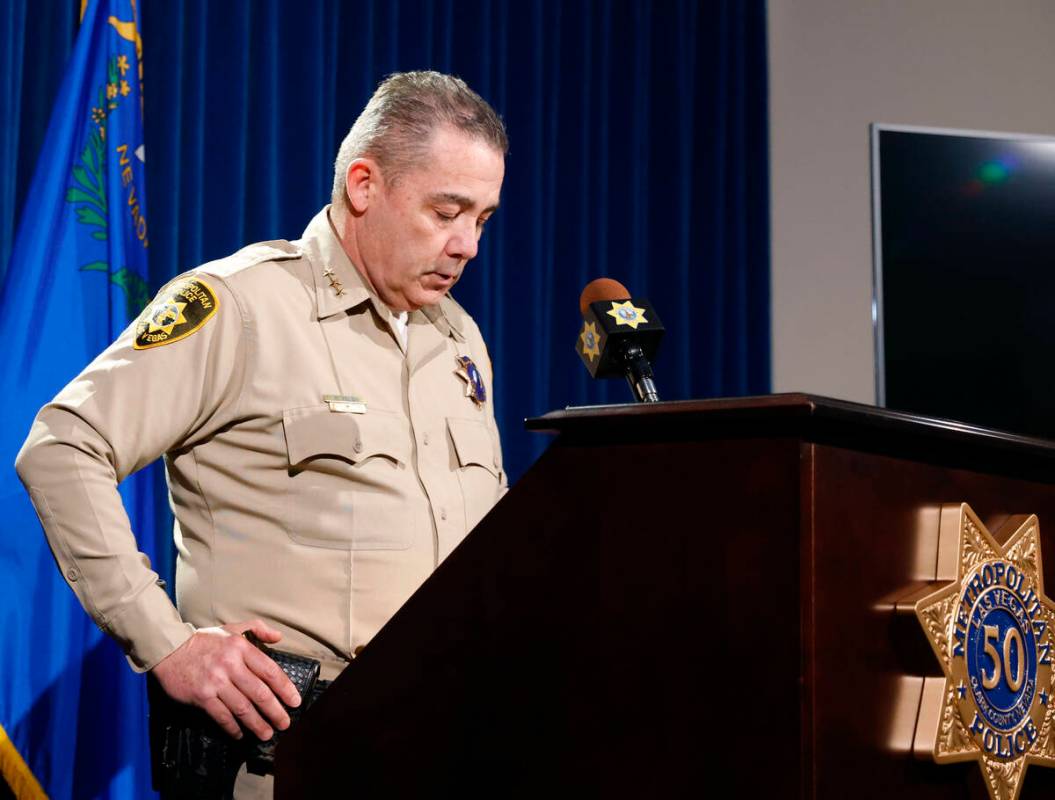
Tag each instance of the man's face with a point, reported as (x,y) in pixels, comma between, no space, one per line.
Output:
(418,234)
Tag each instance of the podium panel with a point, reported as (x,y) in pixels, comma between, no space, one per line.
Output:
(678,598)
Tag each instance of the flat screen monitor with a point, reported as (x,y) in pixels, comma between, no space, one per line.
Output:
(964,271)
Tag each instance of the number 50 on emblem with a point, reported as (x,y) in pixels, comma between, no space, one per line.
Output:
(991,629)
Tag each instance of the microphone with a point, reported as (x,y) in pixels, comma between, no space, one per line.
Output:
(620,336)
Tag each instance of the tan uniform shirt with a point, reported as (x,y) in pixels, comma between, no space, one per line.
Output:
(319,518)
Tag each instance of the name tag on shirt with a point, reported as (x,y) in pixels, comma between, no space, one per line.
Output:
(344,404)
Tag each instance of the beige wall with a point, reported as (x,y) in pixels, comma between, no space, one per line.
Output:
(835,66)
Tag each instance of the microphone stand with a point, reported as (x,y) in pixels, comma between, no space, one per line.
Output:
(639,374)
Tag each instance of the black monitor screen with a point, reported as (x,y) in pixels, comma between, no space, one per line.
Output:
(965,276)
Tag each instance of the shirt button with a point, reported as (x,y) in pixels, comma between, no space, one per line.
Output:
(425,440)
(443,514)
(72,573)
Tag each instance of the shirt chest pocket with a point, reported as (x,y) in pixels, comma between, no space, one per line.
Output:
(479,466)
(349,476)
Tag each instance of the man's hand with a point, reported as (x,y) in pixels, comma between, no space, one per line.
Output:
(222,673)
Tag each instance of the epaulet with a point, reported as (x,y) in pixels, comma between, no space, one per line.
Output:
(250,256)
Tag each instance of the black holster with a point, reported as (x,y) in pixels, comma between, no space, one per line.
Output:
(192,757)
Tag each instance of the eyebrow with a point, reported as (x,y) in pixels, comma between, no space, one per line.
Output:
(459,200)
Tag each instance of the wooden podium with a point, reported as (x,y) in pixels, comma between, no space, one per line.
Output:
(691,599)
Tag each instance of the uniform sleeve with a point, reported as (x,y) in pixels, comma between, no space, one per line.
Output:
(160,387)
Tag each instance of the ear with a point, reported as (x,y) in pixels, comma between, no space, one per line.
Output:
(360,181)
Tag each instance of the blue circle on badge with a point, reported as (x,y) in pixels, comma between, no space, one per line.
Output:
(1001,658)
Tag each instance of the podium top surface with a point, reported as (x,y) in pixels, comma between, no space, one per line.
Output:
(815,419)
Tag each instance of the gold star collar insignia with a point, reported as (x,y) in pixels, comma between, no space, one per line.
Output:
(991,630)
(626,313)
(335,284)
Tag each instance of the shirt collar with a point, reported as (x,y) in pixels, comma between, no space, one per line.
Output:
(443,317)
(340,287)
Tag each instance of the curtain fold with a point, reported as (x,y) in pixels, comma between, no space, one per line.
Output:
(36,39)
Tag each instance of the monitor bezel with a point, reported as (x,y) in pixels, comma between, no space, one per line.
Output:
(876,129)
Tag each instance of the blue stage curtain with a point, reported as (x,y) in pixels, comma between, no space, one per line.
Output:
(35,40)
(639,148)
(639,151)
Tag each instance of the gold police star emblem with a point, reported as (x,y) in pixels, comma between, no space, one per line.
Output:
(626,313)
(474,382)
(589,341)
(991,630)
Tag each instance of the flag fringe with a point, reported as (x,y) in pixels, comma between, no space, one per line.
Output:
(16,772)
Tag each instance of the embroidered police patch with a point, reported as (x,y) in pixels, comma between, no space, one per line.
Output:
(175,314)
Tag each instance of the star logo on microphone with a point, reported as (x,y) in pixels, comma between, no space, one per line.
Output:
(589,342)
(626,313)
(991,629)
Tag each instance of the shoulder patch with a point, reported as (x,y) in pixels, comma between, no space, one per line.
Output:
(182,309)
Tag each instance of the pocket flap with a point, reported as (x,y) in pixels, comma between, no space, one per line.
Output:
(316,432)
(473,443)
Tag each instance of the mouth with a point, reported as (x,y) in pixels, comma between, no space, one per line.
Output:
(443,278)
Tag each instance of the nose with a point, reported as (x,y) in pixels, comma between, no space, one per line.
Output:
(464,240)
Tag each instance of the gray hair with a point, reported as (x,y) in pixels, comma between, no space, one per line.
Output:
(395,128)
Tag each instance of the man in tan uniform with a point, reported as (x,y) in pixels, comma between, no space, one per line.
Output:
(323,407)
